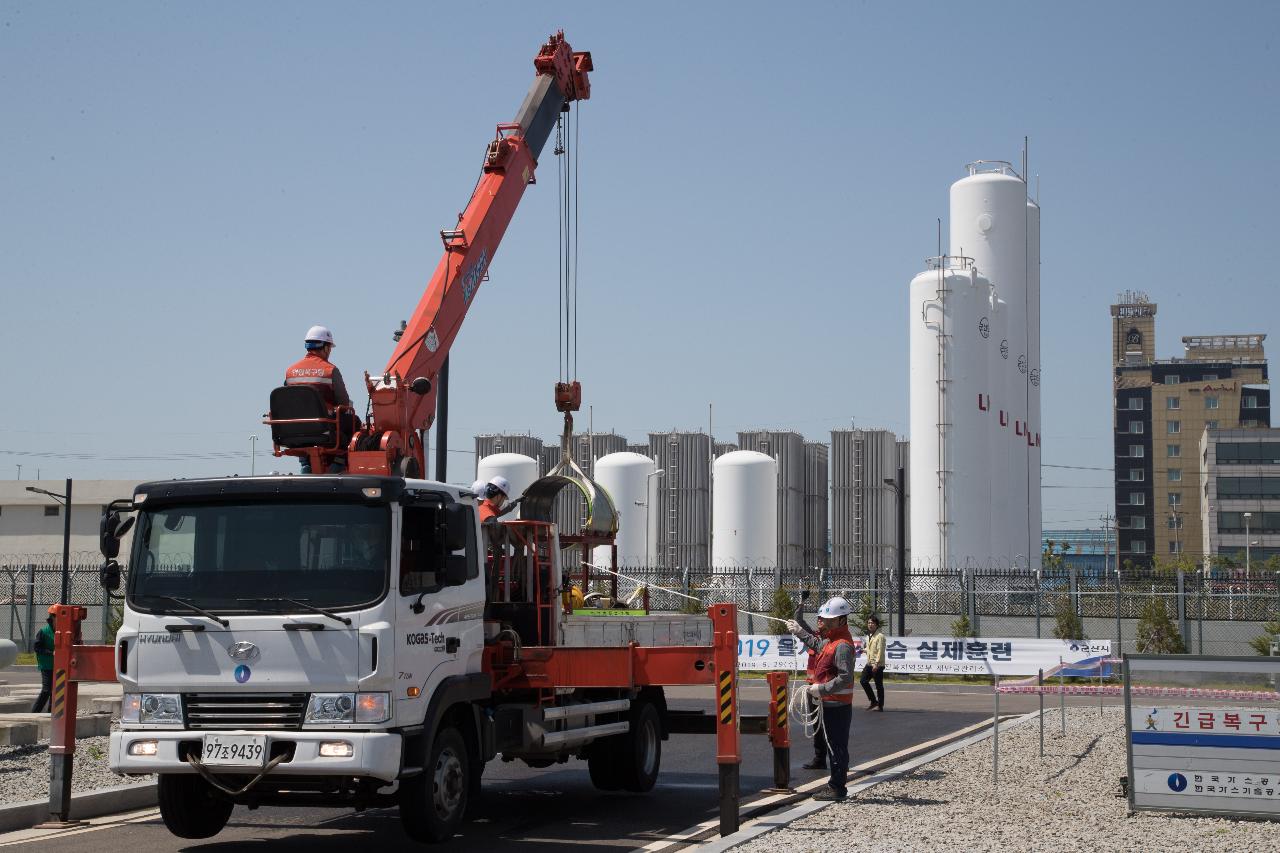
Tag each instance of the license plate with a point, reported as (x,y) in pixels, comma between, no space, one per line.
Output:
(235,750)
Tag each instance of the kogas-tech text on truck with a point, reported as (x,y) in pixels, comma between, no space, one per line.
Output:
(357,640)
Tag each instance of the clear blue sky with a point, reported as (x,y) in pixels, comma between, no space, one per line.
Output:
(186,188)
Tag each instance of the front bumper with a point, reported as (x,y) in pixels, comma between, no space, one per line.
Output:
(374,754)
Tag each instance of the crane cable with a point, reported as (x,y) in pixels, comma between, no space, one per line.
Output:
(567,174)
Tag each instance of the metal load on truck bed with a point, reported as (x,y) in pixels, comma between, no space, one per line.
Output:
(667,629)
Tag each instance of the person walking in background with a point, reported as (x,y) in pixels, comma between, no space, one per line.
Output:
(43,647)
(832,686)
(874,668)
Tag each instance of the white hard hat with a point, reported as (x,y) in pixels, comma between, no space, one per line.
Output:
(478,487)
(320,334)
(501,484)
(834,608)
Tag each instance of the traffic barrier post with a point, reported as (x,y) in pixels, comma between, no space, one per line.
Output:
(780,730)
(724,620)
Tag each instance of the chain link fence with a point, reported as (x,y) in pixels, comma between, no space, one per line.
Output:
(1216,613)
(29,583)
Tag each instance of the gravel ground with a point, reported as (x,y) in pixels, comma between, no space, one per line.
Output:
(1065,802)
(24,770)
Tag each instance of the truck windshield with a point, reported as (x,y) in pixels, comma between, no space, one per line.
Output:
(225,557)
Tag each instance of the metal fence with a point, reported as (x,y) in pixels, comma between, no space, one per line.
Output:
(1218,613)
(29,583)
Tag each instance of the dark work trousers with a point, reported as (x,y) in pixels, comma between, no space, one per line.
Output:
(836,718)
(46,684)
(820,747)
(876,698)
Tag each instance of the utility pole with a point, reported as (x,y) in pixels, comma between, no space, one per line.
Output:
(1107,518)
(900,487)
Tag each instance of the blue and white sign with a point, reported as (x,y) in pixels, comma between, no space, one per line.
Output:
(1221,755)
(936,655)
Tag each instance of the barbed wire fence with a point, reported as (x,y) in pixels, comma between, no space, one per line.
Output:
(1216,612)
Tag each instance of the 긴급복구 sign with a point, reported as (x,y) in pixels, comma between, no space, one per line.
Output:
(934,655)
(1221,757)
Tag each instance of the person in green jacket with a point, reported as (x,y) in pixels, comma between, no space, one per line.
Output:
(44,662)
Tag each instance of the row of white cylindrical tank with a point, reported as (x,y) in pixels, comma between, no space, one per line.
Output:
(744,504)
(975,381)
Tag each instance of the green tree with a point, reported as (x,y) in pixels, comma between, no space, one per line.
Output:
(962,628)
(784,606)
(1270,634)
(1157,633)
(1067,624)
(694,605)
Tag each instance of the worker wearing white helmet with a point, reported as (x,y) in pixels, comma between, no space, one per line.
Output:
(495,494)
(315,370)
(832,657)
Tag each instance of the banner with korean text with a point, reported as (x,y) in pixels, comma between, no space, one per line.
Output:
(934,655)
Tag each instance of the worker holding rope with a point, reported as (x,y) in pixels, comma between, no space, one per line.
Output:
(830,690)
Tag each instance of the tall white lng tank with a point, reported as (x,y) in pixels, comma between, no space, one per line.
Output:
(625,476)
(744,511)
(989,224)
(520,471)
(950,337)
(1034,506)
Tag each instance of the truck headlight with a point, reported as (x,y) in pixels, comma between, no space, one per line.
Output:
(372,707)
(157,708)
(331,708)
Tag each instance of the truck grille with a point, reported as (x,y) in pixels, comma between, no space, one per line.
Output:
(244,711)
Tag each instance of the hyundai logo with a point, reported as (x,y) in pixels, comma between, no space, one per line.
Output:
(243,651)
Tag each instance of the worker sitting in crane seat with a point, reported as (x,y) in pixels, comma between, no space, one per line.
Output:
(315,370)
(495,495)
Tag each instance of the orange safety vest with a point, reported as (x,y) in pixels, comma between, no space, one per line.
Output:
(313,370)
(487,511)
(822,666)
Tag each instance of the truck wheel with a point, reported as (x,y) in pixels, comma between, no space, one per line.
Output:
(433,803)
(191,807)
(602,763)
(640,753)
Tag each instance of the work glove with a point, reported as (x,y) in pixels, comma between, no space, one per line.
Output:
(793,626)
(815,692)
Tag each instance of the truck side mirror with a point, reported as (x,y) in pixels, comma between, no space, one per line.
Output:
(109,574)
(455,569)
(110,531)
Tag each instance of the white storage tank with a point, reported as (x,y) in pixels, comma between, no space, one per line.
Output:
(1002,443)
(951,416)
(1034,505)
(520,471)
(626,477)
(989,224)
(744,511)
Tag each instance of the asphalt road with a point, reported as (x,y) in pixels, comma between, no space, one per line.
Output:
(529,810)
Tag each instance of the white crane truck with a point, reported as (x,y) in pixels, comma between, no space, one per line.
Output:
(357,641)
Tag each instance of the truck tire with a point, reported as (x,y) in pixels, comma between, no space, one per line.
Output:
(602,763)
(433,803)
(640,750)
(191,807)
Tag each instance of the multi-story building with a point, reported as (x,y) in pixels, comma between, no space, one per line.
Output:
(1240,494)
(1161,408)
(32,524)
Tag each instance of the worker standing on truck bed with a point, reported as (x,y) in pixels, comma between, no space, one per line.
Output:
(496,492)
(832,686)
(315,370)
